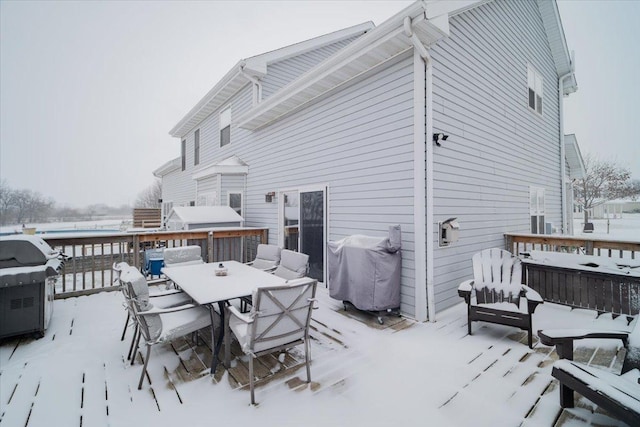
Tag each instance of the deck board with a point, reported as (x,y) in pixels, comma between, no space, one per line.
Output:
(102,390)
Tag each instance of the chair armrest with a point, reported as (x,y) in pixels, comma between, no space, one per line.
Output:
(167,310)
(165,293)
(563,338)
(531,295)
(234,312)
(466,286)
(156,281)
(464,290)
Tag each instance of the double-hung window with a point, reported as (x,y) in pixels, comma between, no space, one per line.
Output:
(225,127)
(536,208)
(535,84)
(196,147)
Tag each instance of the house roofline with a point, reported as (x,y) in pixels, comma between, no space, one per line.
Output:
(256,66)
(167,167)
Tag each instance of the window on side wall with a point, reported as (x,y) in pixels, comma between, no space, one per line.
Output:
(183,153)
(196,147)
(535,85)
(235,202)
(536,208)
(225,127)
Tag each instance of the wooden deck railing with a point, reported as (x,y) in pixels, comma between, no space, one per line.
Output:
(518,243)
(89,269)
(591,288)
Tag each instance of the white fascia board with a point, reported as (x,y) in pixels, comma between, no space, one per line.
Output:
(558,43)
(450,7)
(574,157)
(221,169)
(390,29)
(169,166)
(179,129)
(262,60)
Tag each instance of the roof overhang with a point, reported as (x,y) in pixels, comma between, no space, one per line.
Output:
(574,157)
(230,166)
(170,166)
(255,67)
(429,22)
(558,44)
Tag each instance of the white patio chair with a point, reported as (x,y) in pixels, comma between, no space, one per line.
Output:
(267,257)
(160,325)
(160,298)
(293,265)
(279,320)
(183,255)
(494,293)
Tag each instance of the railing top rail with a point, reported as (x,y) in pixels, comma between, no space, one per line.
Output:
(548,238)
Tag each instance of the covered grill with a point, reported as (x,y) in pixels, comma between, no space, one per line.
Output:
(29,268)
(365,271)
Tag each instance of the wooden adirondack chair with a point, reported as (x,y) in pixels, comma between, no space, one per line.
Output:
(495,292)
(617,393)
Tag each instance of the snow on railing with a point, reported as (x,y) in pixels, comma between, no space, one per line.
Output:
(89,270)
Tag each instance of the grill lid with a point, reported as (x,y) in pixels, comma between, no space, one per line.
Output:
(24,250)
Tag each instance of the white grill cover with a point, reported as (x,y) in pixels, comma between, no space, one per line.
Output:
(365,271)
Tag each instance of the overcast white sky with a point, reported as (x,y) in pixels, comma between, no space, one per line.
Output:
(89,90)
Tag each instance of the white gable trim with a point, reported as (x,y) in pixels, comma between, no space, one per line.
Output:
(242,73)
(170,166)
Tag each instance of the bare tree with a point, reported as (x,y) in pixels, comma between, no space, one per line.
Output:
(150,196)
(603,181)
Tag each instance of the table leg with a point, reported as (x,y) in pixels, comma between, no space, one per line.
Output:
(215,359)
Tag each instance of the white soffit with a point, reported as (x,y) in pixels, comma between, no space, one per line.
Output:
(557,43)
(256,66)
(230,166)
(169,166)
(574,157)
(381,44)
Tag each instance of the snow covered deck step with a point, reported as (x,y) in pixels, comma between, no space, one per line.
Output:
(78,373)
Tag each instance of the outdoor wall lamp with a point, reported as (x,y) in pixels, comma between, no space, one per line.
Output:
(438,137)
(268,198)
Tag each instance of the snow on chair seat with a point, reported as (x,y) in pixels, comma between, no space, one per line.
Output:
(496,293)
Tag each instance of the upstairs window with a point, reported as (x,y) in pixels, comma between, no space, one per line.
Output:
(535,84)
(196,147)
(225,127)
(536,208)
(183,153)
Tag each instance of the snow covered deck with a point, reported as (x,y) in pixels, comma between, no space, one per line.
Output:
(401,373)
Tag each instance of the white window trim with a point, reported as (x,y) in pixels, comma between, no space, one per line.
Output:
(535,81)
(537,210)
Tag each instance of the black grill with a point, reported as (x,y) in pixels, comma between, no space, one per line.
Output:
(29,268)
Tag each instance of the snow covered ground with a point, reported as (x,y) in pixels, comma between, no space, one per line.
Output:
(626,228)
(425,374)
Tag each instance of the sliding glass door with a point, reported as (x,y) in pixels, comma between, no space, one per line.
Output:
(303,227)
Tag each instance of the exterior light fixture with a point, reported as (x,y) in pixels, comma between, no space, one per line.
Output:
(439,137)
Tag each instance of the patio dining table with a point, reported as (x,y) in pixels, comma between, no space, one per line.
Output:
(206,288)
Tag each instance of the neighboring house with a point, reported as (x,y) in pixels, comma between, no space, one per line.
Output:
(333,137)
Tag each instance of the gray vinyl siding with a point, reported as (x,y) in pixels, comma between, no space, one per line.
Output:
(497,147)
(281,73)
(230,183)
(178,188)
(208,184)
(359,143)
